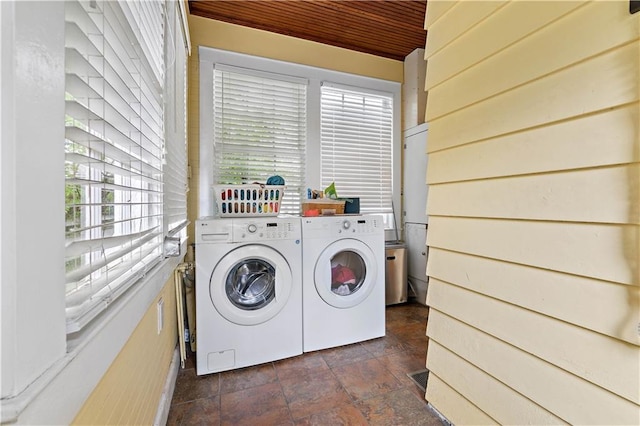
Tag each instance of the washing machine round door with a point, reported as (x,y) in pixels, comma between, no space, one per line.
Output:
(345,273)
(251,284)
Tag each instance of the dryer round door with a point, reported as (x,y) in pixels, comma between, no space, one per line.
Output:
(251,284)
(345,273)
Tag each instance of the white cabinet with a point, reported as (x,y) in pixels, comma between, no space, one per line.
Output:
(415,219)
(415,175)
(416,240)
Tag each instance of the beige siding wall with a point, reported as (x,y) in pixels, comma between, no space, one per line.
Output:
(130,390)
(534,204)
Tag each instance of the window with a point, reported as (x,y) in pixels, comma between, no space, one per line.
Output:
(259,128)
(368,107)
(33,163)
(176,185)
(115,149)
(356,145)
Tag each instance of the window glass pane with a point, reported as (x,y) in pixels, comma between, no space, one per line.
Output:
(356,146)
(260,131)
(176,183)
(114,145)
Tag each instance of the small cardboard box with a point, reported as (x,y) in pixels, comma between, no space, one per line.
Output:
(322,207)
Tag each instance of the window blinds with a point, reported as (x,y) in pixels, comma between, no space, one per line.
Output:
(114,142)
(356,145)
(259,127)
(176,183)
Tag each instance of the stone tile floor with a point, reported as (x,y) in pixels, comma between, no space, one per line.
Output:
(364,383)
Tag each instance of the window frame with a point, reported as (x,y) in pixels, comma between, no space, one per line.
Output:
(210,56)
(273,127)
(343,149)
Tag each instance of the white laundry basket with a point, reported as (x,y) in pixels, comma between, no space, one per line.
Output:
(253,200)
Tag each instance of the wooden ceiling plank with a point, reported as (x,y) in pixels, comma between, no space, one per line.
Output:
(382,28)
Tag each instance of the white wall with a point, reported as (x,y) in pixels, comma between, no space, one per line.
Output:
(32,179)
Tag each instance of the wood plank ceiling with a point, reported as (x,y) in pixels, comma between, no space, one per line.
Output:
(388,28)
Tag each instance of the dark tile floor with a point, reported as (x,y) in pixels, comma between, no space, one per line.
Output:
(360,384)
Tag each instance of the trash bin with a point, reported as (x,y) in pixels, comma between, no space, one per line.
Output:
(395,273)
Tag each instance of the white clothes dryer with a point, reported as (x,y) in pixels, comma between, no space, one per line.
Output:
(248,291)
(343,280)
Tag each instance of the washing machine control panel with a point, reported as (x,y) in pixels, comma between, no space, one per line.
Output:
(247,230)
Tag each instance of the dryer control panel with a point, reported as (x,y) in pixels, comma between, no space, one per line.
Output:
(342,226)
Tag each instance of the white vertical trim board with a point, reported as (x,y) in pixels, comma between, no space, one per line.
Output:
(32,235)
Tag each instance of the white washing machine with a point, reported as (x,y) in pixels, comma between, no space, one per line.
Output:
(343,296)
(248,291)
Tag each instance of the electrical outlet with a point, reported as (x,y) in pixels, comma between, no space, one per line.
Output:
(160,311)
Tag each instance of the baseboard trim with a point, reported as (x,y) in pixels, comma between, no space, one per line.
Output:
(164,405)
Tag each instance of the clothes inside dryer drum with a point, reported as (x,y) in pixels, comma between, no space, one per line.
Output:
(348,272)
(251,284)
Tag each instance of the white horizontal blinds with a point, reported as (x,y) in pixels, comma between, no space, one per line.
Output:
(175,176)
(114,138)
(356,145)
(260,130)
(147,23)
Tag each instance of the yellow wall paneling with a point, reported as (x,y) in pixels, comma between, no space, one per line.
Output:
(607,308)
(222,35)
(587,195)
(565,145)
(461,410)
(497,399)
(584,88)
(131,388)
(609,363)
(516,20)
(465,17)
(534,204)
(596,27)
(569,397)
(435,10)
(601,251)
